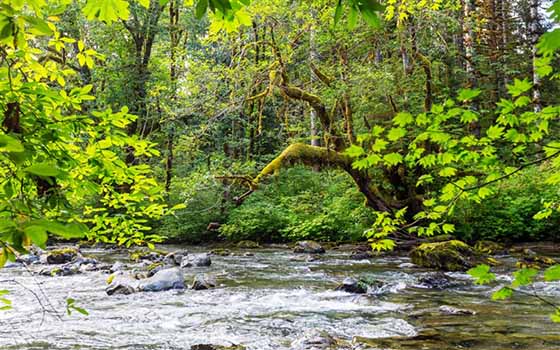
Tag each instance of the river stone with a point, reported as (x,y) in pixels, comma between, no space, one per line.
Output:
(314,340)
(203,281)
(28,259)
(62,255)
(217,347)
(359,286)
(361,255)
(197,260)
(450,310)
(451,255)
(121,283)
(163,280)
(309,247)
(435,280)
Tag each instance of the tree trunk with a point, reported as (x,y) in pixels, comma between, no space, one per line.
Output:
(535,34)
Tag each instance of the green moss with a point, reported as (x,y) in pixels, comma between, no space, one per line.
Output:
(535,262)
(489,247)
(300,153)
(451,255)
(154,266)
(248,245)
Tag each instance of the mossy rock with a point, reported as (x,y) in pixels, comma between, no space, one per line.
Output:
(221,252)
(489,247)
(451,255)
(146,254)
(248,245)
(62,255)
(154,266)
(535,262)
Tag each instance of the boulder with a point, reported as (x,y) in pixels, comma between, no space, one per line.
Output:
(196,260)
(163,280)
(358,286)
(203,281)
(309,247)
(451,255)
(62,255)
(248,245)
(435,280)
(121,283)
(314,340)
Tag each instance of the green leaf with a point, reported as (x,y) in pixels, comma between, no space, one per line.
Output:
(396,134)
(502,294)
(68,231)
(37,234)
(468,94)
(403,118)
(552,273)
(38,26)
(482,274)
(495,132)
(393,159)
(354,151)
(200,9)
(43,169)
(338,12)
(107,11)
(352,18)
(10,144)
(519,87)
(523,277)
(144,3)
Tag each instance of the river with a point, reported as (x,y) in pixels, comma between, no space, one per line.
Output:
(268,300)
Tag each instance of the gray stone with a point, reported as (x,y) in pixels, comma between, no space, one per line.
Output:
(196,260)
(309,247)
(163,280)
(203,281)
(314,340)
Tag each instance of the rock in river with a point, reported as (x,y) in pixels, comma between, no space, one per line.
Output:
(62,255)
(203,281)
(451,255)
(163,280)
(309,247)
(196,260)
(121,283)
(314,340)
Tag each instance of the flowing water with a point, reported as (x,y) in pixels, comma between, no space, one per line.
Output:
(268,300)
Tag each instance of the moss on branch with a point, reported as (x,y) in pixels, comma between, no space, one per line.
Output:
(300,153)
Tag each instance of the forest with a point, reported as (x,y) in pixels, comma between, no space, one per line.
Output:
(279,174)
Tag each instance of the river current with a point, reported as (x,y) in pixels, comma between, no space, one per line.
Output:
(268,300)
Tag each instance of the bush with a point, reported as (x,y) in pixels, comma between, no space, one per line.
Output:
(508,214)
(301,204)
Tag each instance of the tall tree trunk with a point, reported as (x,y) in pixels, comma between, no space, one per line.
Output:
(535,34)
(313,115)
(468,42)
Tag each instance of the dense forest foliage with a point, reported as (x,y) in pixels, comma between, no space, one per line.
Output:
(131,122)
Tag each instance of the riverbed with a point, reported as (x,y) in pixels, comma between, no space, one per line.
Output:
(271,298)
